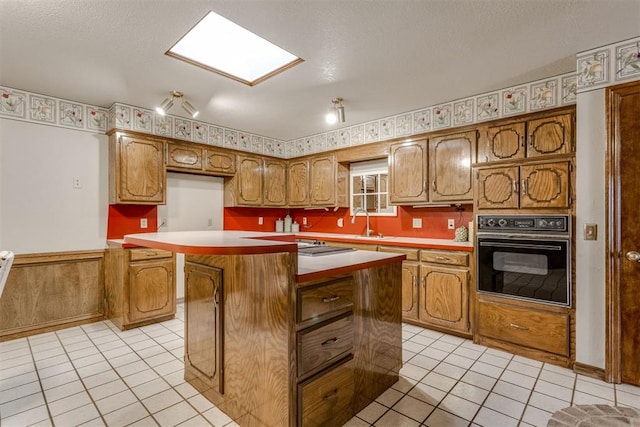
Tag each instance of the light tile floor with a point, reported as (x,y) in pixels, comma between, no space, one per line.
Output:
(96,375)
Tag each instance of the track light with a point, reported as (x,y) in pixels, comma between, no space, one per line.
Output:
(337,113)
(168,103)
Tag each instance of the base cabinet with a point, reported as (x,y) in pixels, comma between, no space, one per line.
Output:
(140,286)
(203,338)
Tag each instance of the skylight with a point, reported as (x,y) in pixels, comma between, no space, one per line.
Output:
(221,46)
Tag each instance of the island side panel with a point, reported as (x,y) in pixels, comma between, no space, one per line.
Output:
(378,330)
(256,349)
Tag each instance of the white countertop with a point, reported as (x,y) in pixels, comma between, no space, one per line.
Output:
(390,240)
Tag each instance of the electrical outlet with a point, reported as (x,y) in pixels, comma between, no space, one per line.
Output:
(76,183)
(163,222)
(340,222)
(304,220)
(451,223)
(417,222)
(143,223)
(260,220)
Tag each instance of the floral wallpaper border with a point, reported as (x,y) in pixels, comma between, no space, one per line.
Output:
(608,65)
(539,95)
(596,68)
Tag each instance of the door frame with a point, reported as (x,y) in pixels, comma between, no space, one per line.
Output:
(614,256)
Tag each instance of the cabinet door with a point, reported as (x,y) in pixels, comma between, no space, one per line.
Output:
(203,311)
(408,173)
(444,299)
(551,135)
(410,279)
(545,185)
(450,167)
(220,162)
(142,172)
(298,183)
(275,183)
(151,290)
(506,142)
(183,156)
(249,179)
(497,188)
(323,180)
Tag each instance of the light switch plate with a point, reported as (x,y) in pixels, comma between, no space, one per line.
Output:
(590,231)
(417,222)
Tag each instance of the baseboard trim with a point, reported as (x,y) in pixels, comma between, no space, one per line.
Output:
(589,370)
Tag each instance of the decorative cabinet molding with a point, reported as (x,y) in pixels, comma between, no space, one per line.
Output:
(298,183)
(184,157)
(450,158)
(137,171)
(505,142)
(328,181)
(220,162)
(275,182)
(408,173)
(245,188)
(551,135)
(196,158)
(410,279)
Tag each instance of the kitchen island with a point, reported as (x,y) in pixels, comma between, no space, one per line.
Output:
(277,339)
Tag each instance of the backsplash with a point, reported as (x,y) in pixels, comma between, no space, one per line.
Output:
(125,219)
(434,221)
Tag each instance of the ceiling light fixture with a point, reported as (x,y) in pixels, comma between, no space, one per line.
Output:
(337,113)
(168,103)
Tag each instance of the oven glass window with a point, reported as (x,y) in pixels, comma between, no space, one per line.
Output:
(528,269)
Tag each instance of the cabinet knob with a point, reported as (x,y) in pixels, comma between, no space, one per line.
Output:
(522,328)
(330,299)
(633,256)
(523,186)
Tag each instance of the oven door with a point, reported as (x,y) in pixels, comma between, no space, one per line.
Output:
(524,267)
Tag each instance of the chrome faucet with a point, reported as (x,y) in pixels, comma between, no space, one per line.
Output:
(369,231)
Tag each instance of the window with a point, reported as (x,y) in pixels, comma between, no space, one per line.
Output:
(368,188)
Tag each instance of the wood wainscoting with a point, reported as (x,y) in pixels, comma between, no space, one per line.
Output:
(50,291)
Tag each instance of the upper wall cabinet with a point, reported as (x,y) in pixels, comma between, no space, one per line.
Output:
(137,173)
(408,173)
(328,181)
(531,138)
(275,182)
(195,158)
(298,183)
(246,186)
(450,167)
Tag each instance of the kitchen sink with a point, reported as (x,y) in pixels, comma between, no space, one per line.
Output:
(320,250)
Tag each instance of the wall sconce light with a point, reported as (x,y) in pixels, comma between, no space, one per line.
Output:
(337,112)
(168,103)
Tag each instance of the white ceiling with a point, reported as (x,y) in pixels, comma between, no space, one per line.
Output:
(382,57)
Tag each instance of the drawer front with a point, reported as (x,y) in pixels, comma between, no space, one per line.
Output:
(327,400)
(325,344)
(445,257)
(144,254)
(411,253)
(317,301)
(539,330)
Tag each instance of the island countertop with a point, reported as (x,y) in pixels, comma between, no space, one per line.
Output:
(253,243)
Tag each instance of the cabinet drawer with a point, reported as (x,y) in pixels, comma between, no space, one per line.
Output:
(143,254)
(444,257)
(317,301)
(327,400)
(324,344)
(411,253)
(536,329)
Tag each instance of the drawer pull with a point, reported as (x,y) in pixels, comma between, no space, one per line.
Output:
(151,253)
(442,258)
(522,328)
(332,395)
(330,341)
(330,299)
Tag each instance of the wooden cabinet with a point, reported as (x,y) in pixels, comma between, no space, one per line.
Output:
(408,173)
(203,324)
(444,292)
(536,329)
(140,286)
(275,182)
(534,185)
(298,183)
(323,181)
(137,172)
(246,187)
(219,162)
(184,157)
(200,159)
(410,279)
(450,159)
(527,139)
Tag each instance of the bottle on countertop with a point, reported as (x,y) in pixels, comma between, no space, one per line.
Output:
(295,227)
(279,226)
(287,224)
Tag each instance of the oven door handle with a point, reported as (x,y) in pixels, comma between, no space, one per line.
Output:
(521,246)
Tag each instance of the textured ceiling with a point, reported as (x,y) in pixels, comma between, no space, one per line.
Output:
(382,57)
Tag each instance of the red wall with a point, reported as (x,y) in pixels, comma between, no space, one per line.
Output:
(434,221)
(125,219)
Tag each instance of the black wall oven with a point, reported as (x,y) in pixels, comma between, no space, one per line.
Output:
(525,257)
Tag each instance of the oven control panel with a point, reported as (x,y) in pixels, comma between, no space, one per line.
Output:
(523,223)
